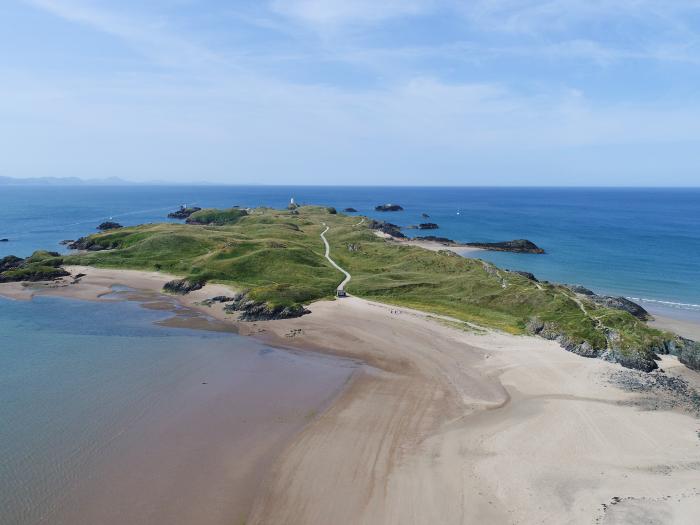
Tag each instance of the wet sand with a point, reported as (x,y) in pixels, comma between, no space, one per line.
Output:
(449,424)
(196,446)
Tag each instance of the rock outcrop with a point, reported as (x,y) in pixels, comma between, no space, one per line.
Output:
(433,238)
(424,226)
(10,262)
(609,301)
(251,310)
(350,210)
(516,246)
(89,244)
(109,225)
(388,207)
(183,212)
(425,215)
(527,275)
(386,227)
(184,286)
(41,266)
(4,240)
(641,360)
(621,303)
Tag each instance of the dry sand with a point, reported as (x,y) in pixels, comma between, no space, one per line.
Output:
(452,425)
(433,246)
(687,329)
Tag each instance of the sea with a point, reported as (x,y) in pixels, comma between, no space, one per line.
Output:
(640,243)
(105,402)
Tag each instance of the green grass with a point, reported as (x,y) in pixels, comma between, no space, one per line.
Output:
(277,256)
(216,217)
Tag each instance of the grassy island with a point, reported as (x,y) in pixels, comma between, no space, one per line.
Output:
(277,257)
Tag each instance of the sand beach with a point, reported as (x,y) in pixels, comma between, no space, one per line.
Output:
(444,422)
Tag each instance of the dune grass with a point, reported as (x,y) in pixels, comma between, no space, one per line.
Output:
(277,256)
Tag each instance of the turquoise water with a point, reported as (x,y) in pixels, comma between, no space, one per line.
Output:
(83,383)
(642,243)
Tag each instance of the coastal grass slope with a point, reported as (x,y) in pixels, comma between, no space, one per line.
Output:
(277,257)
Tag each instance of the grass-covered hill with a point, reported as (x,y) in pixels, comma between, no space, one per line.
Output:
(277,257)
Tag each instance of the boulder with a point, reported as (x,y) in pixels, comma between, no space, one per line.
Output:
(350,210)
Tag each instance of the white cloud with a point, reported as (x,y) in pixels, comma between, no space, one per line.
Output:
(149,37)
(324,13)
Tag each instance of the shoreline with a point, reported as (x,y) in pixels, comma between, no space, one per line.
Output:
(439,409)
(189,453)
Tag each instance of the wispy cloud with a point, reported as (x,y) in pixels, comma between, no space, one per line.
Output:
(152,38)
(326,13)
(378,104)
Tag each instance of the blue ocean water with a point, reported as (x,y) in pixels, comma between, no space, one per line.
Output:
(641,243)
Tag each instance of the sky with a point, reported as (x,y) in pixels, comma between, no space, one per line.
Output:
(379,92)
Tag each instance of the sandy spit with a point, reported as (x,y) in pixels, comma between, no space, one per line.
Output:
(445,424)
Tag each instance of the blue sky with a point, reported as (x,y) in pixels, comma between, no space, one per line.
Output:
(483,92)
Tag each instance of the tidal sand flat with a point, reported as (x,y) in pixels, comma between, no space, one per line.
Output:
(109,418)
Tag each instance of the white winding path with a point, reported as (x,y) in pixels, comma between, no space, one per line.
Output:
(341,286)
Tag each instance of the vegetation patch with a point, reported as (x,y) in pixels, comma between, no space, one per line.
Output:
(277,257)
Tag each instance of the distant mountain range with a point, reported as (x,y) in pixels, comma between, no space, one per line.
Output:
(63,181)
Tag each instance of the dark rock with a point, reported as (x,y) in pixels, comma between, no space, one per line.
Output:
(222,299)
(388,207)
(428,226)
(66,242)
(386,227)
(687,351)
(34,268)
(425,215)
(88,243)
(183,212)
(577,288)
(109,225)
(251,310)
(621,303)
(331,210)
(350,210)
(184,286)
(644,361)
(10,263)
(433,238)
(4,240)
(516,246)
(527,275)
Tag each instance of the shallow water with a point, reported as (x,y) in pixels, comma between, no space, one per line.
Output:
(110,418)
